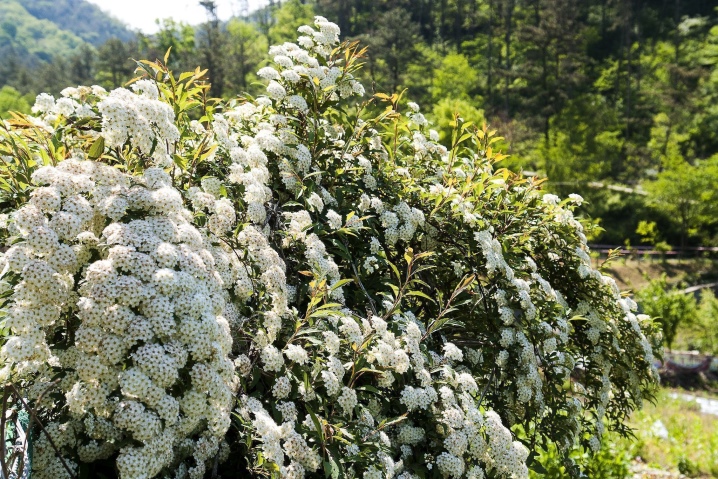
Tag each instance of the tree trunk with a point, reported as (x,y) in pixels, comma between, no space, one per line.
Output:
(507,39)
(490,53)
(629,57)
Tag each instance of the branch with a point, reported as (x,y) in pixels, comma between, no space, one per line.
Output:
(29,426)
(486,389)
(361,285)
(33,416)
(5,471)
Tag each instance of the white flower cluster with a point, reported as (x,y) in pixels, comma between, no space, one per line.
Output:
(491,249)
(401,223)
(281,441)
(299,62)
(150,310)
(142,119)
(471,438)
(71,103)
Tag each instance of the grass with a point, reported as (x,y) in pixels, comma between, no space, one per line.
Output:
(691,447)
(634,274)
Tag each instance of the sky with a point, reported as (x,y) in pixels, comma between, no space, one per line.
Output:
(141,14)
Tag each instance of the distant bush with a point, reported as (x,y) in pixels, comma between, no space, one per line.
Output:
(701,333)
(12,100)
(611,462)
(669,305)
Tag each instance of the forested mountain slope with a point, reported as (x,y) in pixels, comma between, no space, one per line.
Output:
(80,17)
(35,31)
(31,40)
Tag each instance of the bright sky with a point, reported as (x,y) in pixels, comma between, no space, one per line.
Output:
(141,14)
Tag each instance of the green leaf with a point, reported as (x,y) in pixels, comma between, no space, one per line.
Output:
(330,469)
(340,283)
(534,465)
(316,422)
(330,306)
(395,289)
(420,295)
(395,270)
(408,256)
(327,313)
(464,137)
(180,162)
(97,148)
(336,466)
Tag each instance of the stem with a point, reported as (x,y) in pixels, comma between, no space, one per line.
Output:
(3,464)
(486,389)
(29,426)
(390,423)
(33,416)
(215,466)
(361,285)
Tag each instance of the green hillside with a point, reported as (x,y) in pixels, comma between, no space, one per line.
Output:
(80,17)
(29,39)
(33,32)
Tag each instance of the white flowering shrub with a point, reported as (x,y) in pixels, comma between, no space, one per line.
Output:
(298,285)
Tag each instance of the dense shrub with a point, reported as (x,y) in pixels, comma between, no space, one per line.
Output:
(611,462)
(670,306)
(301,284)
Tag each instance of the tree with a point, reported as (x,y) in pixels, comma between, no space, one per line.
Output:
(82,65)
(12,100)
(445,112)
(687,194)
(212,47)
(114,63)
(245,51)
(287,18)
(707,322)
(702,334)
(454,79)
(180,38)
(670,306)
(393,43)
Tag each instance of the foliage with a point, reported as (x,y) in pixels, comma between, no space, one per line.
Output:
(671,435)
(304,283)
(611,462)
(31,40)
(445,112)
(246,50)
(177,36)
(669,305)
(11,100)
(691,444)
(648,231)
(687,193)
(702,333)
(707,322)
(82,18)
(287,19)
(394,42)
(454,78)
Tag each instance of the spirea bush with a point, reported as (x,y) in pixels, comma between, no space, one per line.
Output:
(298,285)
